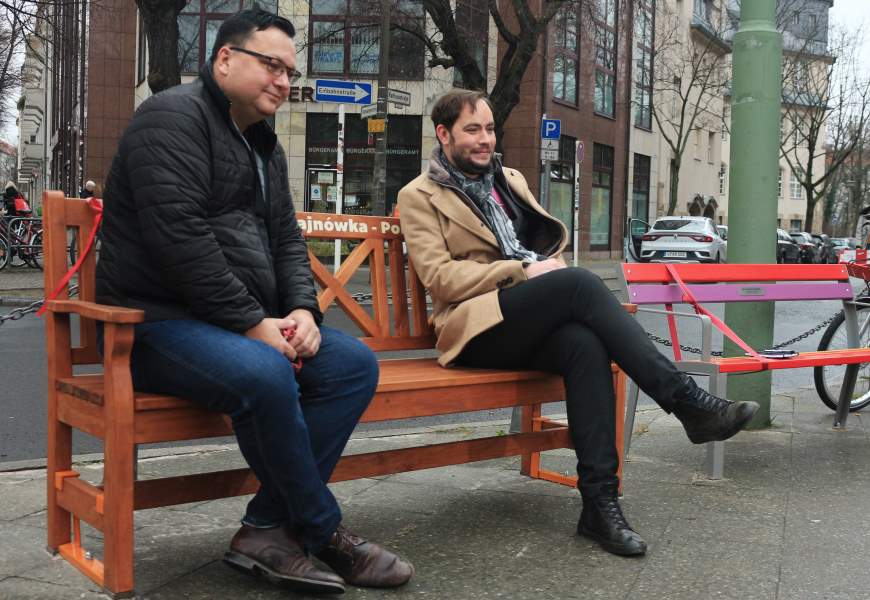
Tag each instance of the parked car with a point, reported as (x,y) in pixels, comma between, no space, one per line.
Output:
(787,251)
(826,248)
(841,244)
(808,249)
(682,239)
(723,231)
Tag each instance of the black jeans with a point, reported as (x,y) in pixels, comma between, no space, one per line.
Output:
(567,322)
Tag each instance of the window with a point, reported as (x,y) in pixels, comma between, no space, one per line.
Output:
(472,23)
(561,201)
(724,132)
(711,139)
(602,196)
(566,55)
(344,38)
(33,139)
(723,171)
(779,185)
(198,24)
(640,187)
(605,56)
(795,225)
(644,33)
(141,52)
(794,185)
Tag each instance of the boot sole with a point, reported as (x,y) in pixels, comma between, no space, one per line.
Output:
(253,567)
(735,429)
(610,546)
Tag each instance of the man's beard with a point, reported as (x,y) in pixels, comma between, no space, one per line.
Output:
(467,166)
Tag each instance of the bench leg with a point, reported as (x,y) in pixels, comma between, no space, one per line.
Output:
(716,450)
(59,459)
(846,396)
(530,464)
(630,409)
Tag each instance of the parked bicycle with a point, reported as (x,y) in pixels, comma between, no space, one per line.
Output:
(21,241)
(829,379)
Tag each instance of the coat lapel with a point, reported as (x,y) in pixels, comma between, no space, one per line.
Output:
(448,203)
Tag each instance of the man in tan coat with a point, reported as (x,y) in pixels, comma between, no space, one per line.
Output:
(503,298)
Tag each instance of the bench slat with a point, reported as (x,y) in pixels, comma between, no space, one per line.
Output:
(739,364)
(707,273)
(745,292)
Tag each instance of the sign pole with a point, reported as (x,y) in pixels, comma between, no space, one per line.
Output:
(339,182)
(578,162)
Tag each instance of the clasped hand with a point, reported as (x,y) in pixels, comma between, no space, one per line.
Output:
(305,341)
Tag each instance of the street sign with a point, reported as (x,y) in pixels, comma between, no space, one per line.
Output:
(369,110)
(347,92)
(549,154)
(551,129)
(376,125)
(398,97)
(549,144)
(581,151)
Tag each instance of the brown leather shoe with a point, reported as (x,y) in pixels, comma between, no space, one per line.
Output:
(276,555)
(364,563)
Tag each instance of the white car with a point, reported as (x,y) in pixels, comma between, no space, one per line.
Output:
(682,239)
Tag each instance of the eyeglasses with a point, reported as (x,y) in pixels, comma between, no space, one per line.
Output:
(272,64)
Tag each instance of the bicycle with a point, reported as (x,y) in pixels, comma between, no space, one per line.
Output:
(829,379)
(22,241)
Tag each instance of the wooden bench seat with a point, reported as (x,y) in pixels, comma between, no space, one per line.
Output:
(651,284)
(106,406)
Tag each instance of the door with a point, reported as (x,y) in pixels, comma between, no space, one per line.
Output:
(636,230)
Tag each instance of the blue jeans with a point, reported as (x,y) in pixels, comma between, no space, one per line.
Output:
(291,427)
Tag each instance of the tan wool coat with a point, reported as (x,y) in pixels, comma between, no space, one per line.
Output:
(458,258)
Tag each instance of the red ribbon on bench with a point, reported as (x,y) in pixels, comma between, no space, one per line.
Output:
(97,206)
(719,323)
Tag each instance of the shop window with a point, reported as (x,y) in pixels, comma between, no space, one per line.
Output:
(198,24)
(472,24)
(566,55)
(602,196)
(344,38)
(404,134)
(561,201)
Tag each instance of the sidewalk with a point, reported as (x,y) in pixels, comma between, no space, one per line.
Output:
(790,522)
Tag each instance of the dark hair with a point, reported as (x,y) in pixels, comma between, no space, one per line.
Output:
(236,30)
(450,105)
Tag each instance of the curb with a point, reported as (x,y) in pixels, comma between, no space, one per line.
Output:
(19,300)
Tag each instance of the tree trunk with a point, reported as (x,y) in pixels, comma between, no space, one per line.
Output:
(811,208)
(674,187)
(161,28)
(505,94)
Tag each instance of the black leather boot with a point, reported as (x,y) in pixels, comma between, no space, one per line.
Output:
(602,520)
(708,418)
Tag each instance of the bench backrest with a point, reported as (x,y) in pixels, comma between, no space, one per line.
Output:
(652,283)
(398,325)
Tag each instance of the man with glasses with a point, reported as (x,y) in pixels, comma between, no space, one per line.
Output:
(199,231)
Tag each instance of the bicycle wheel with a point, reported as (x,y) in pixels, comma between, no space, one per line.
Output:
(829,379)
(4,252)
(34,255)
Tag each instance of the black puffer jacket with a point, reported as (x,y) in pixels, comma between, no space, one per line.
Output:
(186,232)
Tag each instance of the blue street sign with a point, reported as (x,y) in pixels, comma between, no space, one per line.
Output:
(348,92)
(551,129)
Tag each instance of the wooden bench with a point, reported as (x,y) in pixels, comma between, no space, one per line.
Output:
(106,406)
(651,284)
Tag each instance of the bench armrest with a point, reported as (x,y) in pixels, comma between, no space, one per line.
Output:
(100,312)
(629,308)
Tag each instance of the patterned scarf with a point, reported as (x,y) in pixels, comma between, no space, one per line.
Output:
(480,192)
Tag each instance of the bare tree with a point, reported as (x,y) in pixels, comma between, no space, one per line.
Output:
(826,104)
(14,24)
(689,81)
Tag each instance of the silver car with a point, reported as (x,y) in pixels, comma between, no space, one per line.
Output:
(683,239)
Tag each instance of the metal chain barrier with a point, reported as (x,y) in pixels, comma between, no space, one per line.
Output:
(803,336)
(22,312)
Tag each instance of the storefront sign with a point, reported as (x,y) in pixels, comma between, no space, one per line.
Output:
(301,94)
(347,226)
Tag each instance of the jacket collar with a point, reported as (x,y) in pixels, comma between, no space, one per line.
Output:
(259,135)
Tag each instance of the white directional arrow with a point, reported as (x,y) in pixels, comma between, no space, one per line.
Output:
(359,93)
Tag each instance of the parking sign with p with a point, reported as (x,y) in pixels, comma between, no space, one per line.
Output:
(551,129)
